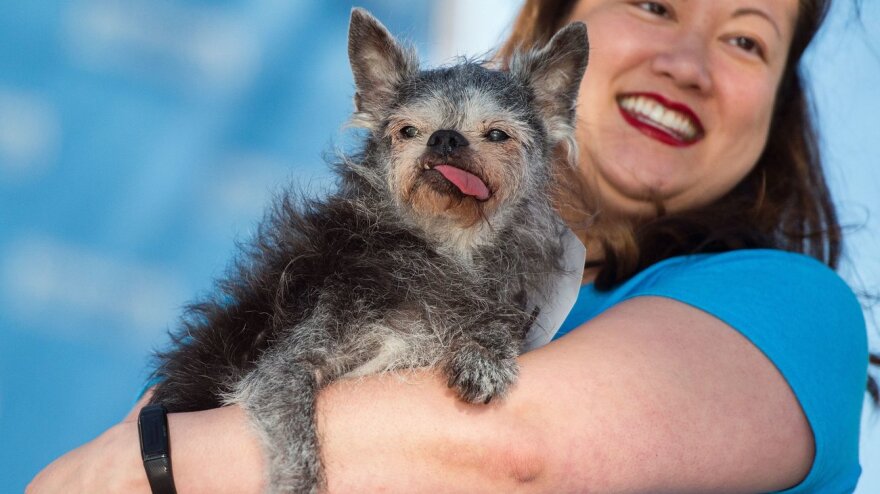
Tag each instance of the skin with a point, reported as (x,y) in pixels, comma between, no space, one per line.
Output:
(644,405)
(724,67)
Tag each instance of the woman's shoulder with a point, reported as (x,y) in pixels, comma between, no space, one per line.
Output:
(786,303)
(797,311)
(736,284)
(770,264)
(790,305)
(806,319)
(754,274)
(775,292)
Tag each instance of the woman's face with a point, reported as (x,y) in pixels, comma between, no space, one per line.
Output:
(677,100)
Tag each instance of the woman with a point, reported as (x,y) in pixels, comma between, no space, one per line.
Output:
(735,370)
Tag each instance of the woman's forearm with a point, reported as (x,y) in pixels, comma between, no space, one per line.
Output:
(215,451)
(411,434)
(389,433)
(403,433)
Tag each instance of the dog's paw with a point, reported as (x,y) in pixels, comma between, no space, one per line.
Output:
(479,375)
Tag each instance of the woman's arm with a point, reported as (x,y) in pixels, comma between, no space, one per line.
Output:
(213,451)
(651,396)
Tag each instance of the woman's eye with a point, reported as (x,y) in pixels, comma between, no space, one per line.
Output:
(654,8)
(747,44)
(409,132)
(495,135)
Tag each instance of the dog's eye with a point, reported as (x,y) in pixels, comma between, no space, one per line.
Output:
(496,135)
(409,132)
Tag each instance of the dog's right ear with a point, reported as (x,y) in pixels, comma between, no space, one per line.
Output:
(554,73)
(379,64)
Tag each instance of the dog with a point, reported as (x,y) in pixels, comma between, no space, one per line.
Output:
(426,254)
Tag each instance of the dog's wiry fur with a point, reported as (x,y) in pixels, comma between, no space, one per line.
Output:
(399,268)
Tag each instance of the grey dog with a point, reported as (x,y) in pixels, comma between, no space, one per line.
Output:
(424,256)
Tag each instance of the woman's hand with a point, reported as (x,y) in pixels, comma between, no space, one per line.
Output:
(213,451)
(111,463)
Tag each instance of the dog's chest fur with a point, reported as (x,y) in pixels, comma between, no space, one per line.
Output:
(400,344)
(346,271)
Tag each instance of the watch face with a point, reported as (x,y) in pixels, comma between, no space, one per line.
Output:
(154,434)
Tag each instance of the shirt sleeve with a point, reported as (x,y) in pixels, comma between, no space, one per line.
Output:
(810,325)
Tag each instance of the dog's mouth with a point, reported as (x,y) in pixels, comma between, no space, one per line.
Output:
(464,181)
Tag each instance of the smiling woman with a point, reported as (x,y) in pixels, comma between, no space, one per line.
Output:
(710,69)
(698,113)
(695,131)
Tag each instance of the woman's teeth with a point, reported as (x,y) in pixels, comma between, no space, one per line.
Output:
(660,116)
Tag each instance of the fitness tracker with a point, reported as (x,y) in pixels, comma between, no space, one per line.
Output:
(156,448)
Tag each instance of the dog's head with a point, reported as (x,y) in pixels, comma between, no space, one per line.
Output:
(461,146)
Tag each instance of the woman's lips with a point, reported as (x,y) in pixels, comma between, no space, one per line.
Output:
(670,123)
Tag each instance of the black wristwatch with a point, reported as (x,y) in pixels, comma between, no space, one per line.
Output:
(156,448)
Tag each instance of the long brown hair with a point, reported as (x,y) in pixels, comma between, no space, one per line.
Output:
(783,203)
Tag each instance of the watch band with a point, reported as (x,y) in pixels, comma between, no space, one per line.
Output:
(156,448)
(159,475)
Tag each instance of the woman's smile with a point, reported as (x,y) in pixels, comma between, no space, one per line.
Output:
(671,123)
(677,110)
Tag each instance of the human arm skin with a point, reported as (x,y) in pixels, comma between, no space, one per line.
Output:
(652,396)
(213,451)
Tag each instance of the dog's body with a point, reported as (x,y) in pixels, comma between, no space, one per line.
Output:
(425,256)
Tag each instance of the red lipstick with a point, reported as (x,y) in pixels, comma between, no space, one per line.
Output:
(656,131)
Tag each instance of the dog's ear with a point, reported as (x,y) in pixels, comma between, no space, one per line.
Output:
(554,73)
(379,64)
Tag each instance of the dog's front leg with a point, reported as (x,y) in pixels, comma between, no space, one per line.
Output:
(279,398)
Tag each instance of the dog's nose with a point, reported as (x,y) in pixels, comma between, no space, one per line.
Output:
(446,141)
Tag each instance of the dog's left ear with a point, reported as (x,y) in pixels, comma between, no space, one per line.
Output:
(554,73)
(379,64)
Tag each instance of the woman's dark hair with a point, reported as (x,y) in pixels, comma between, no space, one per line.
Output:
(782,203)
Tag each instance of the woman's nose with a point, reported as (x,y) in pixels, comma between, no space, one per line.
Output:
(685,63)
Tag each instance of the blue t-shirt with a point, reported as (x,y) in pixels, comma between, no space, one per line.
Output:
(799,313)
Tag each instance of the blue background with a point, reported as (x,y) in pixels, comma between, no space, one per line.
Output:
(140,138)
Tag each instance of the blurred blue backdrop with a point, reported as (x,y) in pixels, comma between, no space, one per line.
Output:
(140,138)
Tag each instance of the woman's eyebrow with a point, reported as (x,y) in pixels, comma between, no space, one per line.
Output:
(760,13)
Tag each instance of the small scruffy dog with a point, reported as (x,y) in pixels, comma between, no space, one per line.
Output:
(424,256)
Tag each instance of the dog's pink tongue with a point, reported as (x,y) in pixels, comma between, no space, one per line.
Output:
(468,183)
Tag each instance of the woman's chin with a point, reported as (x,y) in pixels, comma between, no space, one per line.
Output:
(640,195)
